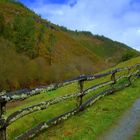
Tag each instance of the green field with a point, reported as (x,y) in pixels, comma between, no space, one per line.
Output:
(86,125)
(137,135)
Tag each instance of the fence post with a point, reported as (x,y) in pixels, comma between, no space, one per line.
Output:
(79,98)
(129,79)
(129,76)
(2,121)
(139,72)
(129,69)
(113,78)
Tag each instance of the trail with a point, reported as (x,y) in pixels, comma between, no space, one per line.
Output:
(126,127)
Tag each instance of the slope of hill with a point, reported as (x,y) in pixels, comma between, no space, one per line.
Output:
(35,51)
(88,124)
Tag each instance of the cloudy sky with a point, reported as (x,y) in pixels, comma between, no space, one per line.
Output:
(116,19)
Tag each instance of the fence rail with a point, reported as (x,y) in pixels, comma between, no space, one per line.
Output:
(133,72)
(26,93)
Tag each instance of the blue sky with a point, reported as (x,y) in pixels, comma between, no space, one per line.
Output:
(116,19)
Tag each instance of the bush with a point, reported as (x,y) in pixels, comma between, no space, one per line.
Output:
(128,55)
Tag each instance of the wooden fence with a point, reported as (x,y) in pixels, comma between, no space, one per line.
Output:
(133,72)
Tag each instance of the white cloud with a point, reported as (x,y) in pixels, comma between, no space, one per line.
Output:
(117,19)
(138,31)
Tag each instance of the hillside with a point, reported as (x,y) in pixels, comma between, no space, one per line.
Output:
(88,124)
(37,52)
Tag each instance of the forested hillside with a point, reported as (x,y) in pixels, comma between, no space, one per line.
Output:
(34,51)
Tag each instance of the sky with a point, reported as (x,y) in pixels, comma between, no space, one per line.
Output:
(116,19)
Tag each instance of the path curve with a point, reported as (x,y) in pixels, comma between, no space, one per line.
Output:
(127,125)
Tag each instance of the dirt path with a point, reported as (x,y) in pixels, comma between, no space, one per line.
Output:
(127,125)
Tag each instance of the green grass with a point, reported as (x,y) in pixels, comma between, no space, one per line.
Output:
(88,124)
(137,135)
(44,115)
(95,120)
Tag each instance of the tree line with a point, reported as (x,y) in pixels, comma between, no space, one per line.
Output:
(22,31)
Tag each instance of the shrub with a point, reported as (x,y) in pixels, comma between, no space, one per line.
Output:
(128,55)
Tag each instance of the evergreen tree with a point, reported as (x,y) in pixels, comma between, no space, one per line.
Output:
(41,37)
(51,46)
(24,28)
